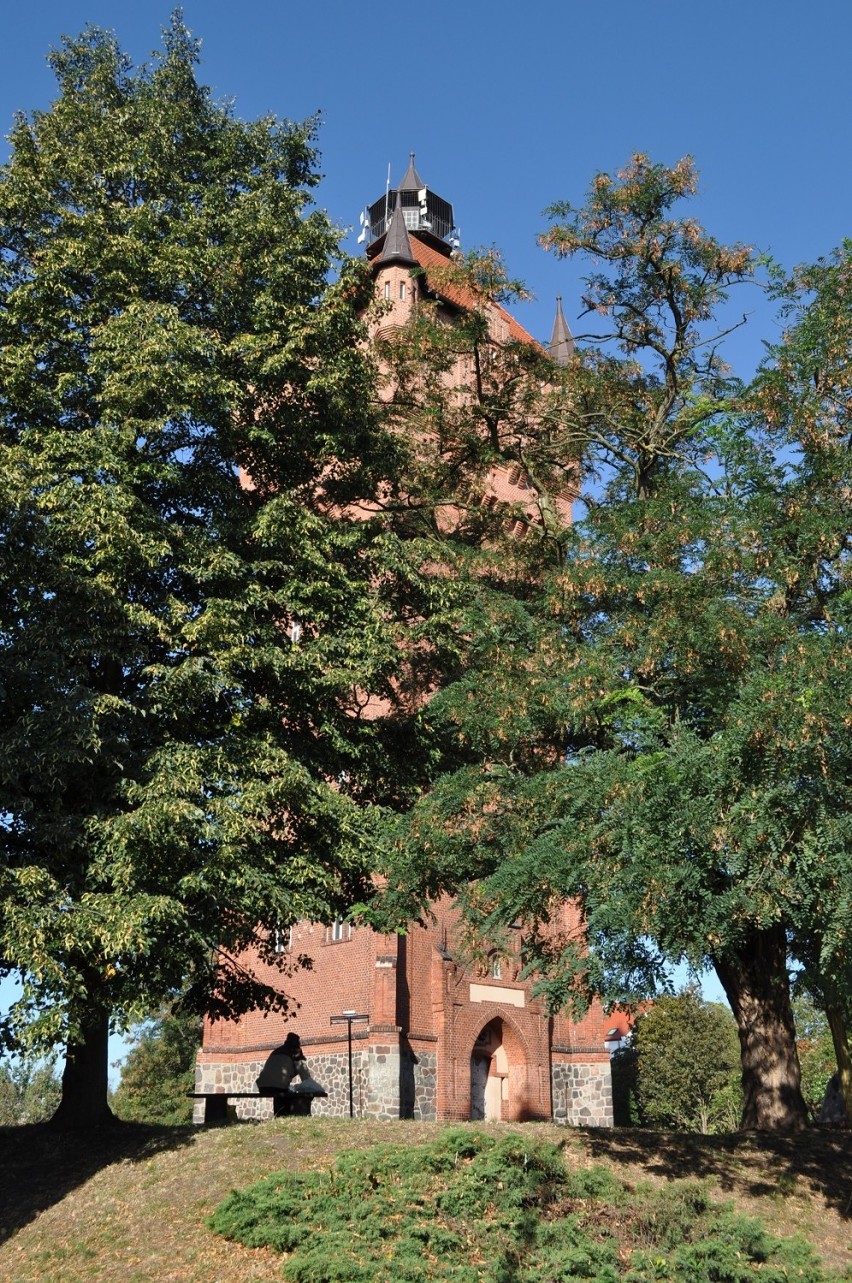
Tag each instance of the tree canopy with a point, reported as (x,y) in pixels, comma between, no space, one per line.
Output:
(182,750)
(657,740)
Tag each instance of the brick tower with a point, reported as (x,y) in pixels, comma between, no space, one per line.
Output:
(435,1037)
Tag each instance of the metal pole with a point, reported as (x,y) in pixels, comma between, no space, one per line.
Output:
(349,1017)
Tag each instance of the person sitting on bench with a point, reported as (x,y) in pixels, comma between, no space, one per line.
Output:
(275,1079)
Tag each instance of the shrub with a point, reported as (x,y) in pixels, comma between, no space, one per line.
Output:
(474,1207)
(682,1071)
(30,1090)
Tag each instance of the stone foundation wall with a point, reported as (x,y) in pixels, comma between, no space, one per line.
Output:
(381,1097)
(231,1076)
(425,1087)
(331,1071)
(385,1084)
(582,1094)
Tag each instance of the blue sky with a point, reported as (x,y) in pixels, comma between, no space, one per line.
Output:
(510,107)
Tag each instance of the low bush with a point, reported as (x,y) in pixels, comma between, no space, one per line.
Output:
(472,1207)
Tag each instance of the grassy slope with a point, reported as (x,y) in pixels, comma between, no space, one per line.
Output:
(131,1207)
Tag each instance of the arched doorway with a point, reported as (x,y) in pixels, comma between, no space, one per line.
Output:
(489,1074)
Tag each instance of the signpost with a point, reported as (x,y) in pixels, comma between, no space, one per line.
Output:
(350,1017)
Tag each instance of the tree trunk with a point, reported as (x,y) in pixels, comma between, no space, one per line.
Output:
(840,1038)
(757,987)
(85,1081)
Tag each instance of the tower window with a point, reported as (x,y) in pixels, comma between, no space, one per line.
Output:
(387,289)
(282,939)
(402,290)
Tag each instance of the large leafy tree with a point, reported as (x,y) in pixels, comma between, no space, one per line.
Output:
(657,741)
(182,750)
(804,398)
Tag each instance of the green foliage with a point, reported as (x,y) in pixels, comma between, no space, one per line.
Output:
(683,1065)
(166,319)
(655,724)
(470,1207)
(159,1070)
(29,1091)
(816,1049)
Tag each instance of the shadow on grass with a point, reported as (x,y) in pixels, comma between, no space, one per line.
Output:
(40,1164)
(748,1163)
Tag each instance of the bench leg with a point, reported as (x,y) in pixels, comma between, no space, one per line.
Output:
(216,1108)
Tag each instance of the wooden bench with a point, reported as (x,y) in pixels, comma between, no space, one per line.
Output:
(285,1103)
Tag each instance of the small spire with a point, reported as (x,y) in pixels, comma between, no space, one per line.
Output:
(412,182)
(397,246)
(561,340)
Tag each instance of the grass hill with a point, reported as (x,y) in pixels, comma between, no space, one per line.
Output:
(133,1203)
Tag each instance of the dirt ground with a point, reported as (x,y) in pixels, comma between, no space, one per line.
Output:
(130,1204)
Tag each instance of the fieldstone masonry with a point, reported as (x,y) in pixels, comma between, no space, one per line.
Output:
(421,1099)
(331,1071)
(380,1076)
(582,1094)
(231,1076)
(387,1083)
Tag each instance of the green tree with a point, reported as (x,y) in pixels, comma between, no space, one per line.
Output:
(657,741)
(684,1065)
(30,1090)
(182,755)
(159,1070)
(469,398)
(804,396)
(816,1049)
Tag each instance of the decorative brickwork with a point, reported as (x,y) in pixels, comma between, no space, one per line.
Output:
(582,1094)
(432,1019)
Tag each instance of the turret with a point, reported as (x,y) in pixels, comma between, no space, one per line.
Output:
(421,211)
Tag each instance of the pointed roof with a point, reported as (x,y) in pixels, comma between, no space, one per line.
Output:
(412,182)
(397,246)
(428,257)
(561,340)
